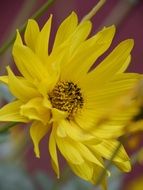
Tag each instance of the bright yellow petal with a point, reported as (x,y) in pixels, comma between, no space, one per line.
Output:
(58,115)
(70,129)
(53,153)
(28,63)
(34,109)
(37,132)
(65,30)
(20,88)
(31,33)
(86,55)
(126,64)
(110,66)
(80,35)
(42,42)
(18,40)
(75,34)
(11,112)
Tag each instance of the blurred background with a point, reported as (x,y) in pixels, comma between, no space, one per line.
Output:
(19,169)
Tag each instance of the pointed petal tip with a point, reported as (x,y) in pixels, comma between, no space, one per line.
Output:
(37,155)
(129,42)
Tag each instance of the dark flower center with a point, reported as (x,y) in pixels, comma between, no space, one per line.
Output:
(67,96)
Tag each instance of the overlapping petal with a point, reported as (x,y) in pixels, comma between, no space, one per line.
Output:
(37,132)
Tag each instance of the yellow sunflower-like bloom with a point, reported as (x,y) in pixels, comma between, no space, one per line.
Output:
(56,92)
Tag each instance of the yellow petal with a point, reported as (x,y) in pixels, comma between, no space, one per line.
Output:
(37,132)
(70,153)
(20,88)
(111,65)
(70,129)
(58,115)
(65,30)
(84,170)
(125,65)
(120,85)
(11,112)
(123,166)
(53,153)
(28,63)
(4,79)
(88,155)
(97,171)
(34,109)
(86,55)
(42,42)
(80,34)
(107,149)
(31,33)
(18,40)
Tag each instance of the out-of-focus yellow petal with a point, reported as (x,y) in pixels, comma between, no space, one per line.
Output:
(42,42)
(70,153)
(37,132)
(120,85)
(4,79)
(31,33)
(20,88)
(34,109)
(135,184)
(65,30)
(53,153)
(88,155)
(107,149)
(88,172)
(11,112)
(84,170)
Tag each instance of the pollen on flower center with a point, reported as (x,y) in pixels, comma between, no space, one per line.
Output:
(67,96)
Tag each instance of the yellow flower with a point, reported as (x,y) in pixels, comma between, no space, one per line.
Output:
(135,184)
(56,92)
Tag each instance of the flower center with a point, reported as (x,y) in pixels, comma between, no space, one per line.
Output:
(67,96)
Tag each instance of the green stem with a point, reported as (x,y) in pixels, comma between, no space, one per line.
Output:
(35,16)
(7,127)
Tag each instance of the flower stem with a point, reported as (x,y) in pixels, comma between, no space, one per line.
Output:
(35,16)
(7,127)
(93,11)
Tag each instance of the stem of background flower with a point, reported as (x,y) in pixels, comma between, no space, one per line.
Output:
(5,128)
(21,17)
(35,16)
(93,11)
